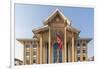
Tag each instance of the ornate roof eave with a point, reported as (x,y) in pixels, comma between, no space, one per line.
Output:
(44,28)
(22,40)
(73,29)
(84,38)
(46,21)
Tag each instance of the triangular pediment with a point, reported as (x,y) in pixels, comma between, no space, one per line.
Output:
(56,16)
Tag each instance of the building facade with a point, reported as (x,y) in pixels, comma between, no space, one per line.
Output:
(40,49)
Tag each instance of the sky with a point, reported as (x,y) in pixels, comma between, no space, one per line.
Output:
(28,17)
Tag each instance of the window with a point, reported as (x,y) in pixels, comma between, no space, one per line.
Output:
(84,51)
(78,58)
(84,58)
(78,51)
(34,60)
(78,45)
(27,53)
(34,52)
(84,44)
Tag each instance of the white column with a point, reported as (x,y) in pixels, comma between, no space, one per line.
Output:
(40,49)
(86,51)
(69,52)
(65,58)
(75,50)
(30,53)
(44,59)
(24,53)
(49,45)
(72,49)
(46,54)
(37,53)
(81,51)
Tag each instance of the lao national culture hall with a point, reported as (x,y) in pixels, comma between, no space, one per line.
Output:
(56,42)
